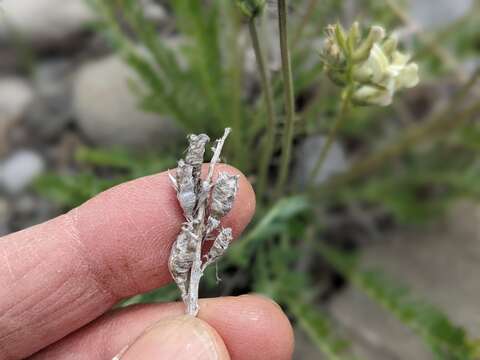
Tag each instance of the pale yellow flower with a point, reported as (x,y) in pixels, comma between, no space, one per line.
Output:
(373,67)
(383,76)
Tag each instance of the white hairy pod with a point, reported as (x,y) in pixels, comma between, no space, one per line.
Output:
(203,206)
(220,245)
(195,152)
(181,258)
(223,195)
(212,224)
(186,189)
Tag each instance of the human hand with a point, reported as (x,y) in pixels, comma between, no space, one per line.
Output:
(59,279)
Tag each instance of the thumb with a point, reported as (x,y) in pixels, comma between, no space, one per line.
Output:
(179,338)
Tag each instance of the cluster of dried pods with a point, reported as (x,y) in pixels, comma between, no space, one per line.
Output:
(204,203)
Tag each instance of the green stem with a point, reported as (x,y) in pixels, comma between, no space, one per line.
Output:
(289,97)
(339,120)
(415,135)
(268,97)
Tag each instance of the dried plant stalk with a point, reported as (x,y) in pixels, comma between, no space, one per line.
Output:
(203,204)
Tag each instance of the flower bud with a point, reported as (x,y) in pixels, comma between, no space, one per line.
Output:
(373,95)
(331,50)
(353,36)
(390,45)
(341,37)
(251,8)
(376,34)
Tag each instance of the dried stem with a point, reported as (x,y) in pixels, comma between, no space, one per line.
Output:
(203,204)
(216,155)
(272,119)
(196,272)
(289,97)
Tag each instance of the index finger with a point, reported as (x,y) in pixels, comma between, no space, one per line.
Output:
(60,275)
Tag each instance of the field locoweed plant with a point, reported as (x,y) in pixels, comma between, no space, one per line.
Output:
(346,90)
(204,204)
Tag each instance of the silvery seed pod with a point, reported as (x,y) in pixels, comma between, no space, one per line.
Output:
(196,151)
(181,258)
(220,245)
(212,224)
(223,195)
(186,189)
(194,157)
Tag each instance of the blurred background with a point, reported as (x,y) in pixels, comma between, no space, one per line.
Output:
(381,262)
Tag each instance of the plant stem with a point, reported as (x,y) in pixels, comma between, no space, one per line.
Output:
(195,276)
(289,97)
(415,135)
(196,271)
(272,119)
(339,120)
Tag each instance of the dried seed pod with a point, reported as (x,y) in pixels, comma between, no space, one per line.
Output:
(212,225)
(203,206)
(196,151)
(186,189)
(181,258)
(223,240)
(223,195)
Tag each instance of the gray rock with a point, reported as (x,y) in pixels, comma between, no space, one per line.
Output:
(434,14)
(15,97)
(441,265)
(304,348)
(29,210)
(19,170)
(154,11)
(51,111)
(373,333)
(43,21)
(306,157)
(50,22)
(107,111)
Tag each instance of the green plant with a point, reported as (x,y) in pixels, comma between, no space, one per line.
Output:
(446,340)
(199,83)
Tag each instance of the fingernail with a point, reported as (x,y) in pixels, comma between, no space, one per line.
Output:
(184,337)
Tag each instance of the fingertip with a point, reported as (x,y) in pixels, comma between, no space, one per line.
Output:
(179,338)
(252,326)
(273,321)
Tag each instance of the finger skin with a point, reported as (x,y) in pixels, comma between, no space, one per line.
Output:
(60,275)
(252,328)
(183,337)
